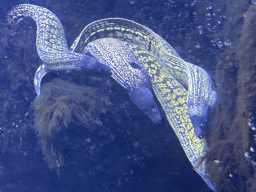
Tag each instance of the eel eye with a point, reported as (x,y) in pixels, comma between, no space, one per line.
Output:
(135,65)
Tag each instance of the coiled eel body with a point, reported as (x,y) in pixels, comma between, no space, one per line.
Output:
(184,90)
(201,94)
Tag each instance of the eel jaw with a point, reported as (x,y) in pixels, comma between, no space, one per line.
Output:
(40,73)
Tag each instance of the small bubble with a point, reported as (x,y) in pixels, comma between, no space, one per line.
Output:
(250,124)
(247,155)
(200,29)
(227,43)
(132,2)
(197,45)
(192,4)
(202,125)
(217,161)
(220,44)
(210,7)
(58,163)
(136,144)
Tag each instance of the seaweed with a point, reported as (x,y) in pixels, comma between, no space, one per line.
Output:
(227,166)
(229,160)
(60,104)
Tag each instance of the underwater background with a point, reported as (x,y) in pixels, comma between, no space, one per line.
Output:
(118,148)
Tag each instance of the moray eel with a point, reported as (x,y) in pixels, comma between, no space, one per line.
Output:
(51,43)
(172,94)
(127,71)
(201,94)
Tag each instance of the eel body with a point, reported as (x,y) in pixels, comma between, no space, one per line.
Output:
(173,99)
(51,43)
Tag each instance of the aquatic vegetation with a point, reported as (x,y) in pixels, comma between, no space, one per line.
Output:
(17,65)
(60,104)
(231,157)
